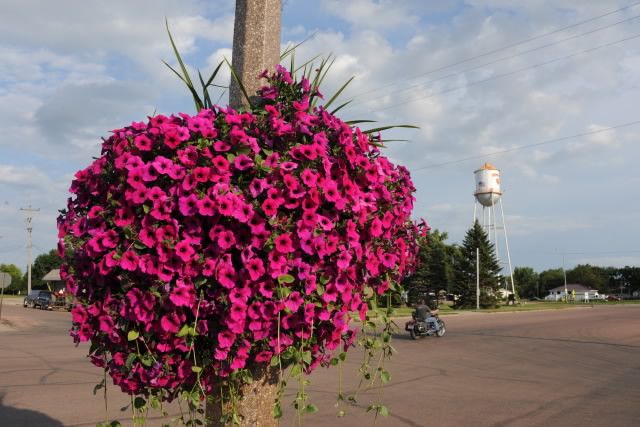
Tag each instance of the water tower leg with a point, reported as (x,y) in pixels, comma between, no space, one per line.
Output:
(506,241)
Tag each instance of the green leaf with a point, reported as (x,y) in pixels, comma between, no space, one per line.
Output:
(98,386)
(380,129)
(146,360)
(184,331)
(306,357)
(139,402)
(343,356)
(185,78)
(355,122)
(296,371)
(283,292)
(290,49)
(311,409)
(130,359)
(133,335)
(340,107)
(385,376)
(337,94)
(286,278)
(275,361)
(341,413)
(276,412)
(196,369)
(235,77)
(382,410)
(154,402)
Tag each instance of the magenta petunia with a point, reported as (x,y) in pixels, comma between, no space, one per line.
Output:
(183,295)
(184,251)
(170,323)
(242,162)
(129,261)
(255,267)
(283,243)
(262,229)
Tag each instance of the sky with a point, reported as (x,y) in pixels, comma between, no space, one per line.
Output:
(545,90)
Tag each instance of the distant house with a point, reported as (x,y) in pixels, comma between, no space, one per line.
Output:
(574,291)
(53,281)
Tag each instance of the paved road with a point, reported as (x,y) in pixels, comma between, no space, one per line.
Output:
(577,367)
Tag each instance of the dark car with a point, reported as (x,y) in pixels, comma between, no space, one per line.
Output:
(38,298)
(614,298)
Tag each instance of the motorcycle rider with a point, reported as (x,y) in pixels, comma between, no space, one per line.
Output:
(427,314)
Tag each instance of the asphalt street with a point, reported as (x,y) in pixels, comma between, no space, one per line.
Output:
(577,367)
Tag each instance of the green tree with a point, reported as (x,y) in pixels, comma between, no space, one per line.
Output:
(590,276)
(43,264)
(465,269)
(17,283)
(631,277)
(435,270)
(550,279)
(526,282)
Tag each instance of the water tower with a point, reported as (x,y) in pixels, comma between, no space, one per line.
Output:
(489,194)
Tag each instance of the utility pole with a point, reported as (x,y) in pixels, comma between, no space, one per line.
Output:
(564,272)
(28,217)
(256,45)
(477,278)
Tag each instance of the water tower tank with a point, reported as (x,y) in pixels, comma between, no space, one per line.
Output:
(487,185)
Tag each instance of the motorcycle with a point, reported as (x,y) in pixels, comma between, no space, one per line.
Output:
(423,328)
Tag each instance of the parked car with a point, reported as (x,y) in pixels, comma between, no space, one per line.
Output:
(45,301)
(614,298)
(37,298)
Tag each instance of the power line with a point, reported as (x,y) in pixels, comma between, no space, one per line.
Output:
(504,58)
(521,147)
(510,73)
(500,49)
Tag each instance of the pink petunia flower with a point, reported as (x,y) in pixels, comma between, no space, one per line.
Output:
(284,244)
(129,261)
(185,251)
(255,266)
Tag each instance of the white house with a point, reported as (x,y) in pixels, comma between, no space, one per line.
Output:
(575,292)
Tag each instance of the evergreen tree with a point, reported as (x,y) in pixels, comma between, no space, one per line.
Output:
(465,270)
(435,270)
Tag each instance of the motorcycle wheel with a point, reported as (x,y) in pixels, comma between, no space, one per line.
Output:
(413,334)
(442,329)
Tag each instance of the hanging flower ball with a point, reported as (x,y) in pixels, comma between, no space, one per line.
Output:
(197,246)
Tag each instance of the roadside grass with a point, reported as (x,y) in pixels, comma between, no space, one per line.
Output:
(447,309)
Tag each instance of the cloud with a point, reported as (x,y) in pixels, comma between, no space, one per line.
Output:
(27,177)
(78,115)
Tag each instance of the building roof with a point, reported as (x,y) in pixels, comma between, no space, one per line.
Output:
(52,276)
(572,287)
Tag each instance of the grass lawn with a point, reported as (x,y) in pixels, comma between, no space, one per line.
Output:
(446,308)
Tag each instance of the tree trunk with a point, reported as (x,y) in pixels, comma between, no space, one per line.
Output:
(255,401)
